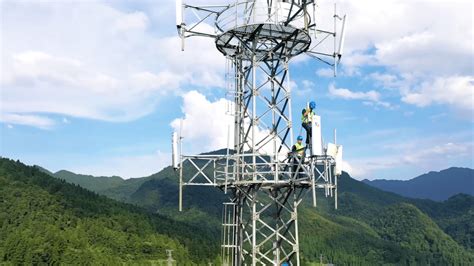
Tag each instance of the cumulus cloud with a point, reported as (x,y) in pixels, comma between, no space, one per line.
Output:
(416,41)
(351,95)
(209,125)
(325,72)
(455,91)
(205,124)
(369,97)
(306,87)
(42,83)
(90,60)
(419,50)
(68,50)
(386,80)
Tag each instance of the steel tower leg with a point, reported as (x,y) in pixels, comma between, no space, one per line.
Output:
(259,38)
(268,225)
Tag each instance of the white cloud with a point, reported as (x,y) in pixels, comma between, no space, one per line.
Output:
(440,151)
(25,119)
(415,42)
(325,72)
(42,83)
(87,59)
(347,167)
(421,154)
(351,95)
(369,97)
(388,81)
(207,125)
(419,49)
(455,91)
(306,88)
(132,21)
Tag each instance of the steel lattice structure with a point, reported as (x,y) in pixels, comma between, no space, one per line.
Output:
(265,182)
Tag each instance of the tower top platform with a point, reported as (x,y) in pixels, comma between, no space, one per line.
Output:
(274,29)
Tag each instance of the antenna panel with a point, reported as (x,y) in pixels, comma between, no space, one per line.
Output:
(338,167)
(179,13)
(331,150)
(341,40)
(316,138)
(174,148)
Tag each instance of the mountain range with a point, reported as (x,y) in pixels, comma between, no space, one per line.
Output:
(371,226)
(436,186)
(358,202)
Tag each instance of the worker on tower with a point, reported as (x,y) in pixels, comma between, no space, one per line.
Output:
(307,115)
(297,152)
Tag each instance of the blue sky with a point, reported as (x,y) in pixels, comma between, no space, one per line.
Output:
(96,87)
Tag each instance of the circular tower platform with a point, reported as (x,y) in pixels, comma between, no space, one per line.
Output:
(267,31)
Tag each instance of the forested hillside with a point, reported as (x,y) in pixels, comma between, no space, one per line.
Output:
(92,183)
(44,220)
(360,232)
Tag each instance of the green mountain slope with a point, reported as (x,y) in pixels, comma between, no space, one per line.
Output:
(92,183)
(455,216)
(350,235)
(343,240)
(113,187)
(408,226)
(44,220)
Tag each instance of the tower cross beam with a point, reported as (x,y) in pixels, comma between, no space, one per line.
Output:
(264,180)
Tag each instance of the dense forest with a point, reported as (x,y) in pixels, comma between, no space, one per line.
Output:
(45,219)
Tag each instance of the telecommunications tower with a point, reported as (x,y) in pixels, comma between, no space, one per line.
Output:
(264,180)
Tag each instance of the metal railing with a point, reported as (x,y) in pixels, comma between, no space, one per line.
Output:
(245,12)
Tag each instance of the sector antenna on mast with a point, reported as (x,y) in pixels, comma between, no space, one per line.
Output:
(264,180)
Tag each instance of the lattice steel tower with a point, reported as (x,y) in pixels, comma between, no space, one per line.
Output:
(264,180)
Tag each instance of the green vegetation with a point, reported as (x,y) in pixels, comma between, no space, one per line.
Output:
(343,240)
(371,227)
(92,183)
(407,226)
(46,220)
(455,216)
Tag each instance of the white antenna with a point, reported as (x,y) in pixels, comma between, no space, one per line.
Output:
(180,21)
(174,148)
(319,50)
(341,40)
(179,13)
